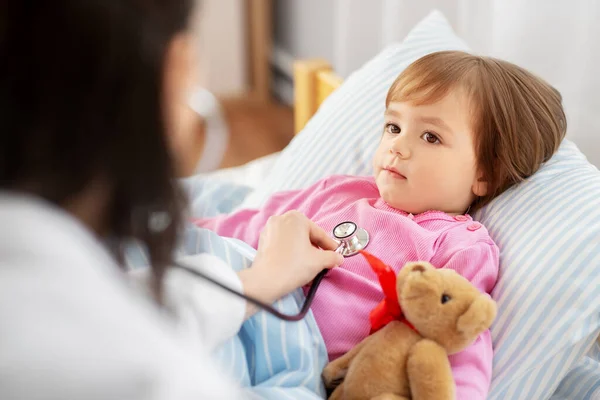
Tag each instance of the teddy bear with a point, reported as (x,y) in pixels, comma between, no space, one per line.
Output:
(443,313)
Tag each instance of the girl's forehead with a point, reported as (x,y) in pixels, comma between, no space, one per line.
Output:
(455,101)
(429,94)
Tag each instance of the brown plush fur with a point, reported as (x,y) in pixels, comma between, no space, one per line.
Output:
(399,363)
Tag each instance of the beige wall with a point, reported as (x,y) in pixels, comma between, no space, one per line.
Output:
(223,46)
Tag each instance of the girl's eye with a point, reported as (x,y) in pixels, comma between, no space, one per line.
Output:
(392,128)
(430,138)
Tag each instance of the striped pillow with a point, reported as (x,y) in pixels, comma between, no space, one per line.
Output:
(548,229)
(548,294)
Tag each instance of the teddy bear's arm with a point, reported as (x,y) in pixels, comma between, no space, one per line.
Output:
(335,372)
(429,373)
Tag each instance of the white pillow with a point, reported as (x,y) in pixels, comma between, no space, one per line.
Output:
(548,228)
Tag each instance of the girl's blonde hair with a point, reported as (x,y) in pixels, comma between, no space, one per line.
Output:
(518,118)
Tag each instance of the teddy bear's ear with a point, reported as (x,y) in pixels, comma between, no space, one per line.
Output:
(478,317)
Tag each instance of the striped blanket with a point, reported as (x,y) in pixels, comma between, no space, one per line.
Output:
(269,358)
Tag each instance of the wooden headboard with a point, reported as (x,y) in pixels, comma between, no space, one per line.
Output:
(314,80)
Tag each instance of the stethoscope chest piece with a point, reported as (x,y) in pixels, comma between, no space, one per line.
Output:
(351,238)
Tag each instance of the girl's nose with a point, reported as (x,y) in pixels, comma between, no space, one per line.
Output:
(400,146)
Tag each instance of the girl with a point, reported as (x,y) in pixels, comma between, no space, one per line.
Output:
(459,130)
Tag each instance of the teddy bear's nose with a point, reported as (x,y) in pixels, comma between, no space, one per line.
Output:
(418,268)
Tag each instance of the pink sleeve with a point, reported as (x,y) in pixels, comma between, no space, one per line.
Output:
(472,368)
(246,225)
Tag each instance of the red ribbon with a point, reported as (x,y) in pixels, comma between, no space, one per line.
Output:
(388,309)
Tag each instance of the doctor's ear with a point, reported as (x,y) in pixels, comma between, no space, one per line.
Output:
(180,68)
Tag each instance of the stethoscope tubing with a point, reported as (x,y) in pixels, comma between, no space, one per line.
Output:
(268,308)
(271,310)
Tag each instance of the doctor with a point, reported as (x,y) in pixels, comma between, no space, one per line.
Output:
(94,129)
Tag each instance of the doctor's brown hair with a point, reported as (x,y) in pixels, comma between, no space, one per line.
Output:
(517,118)
(81,91)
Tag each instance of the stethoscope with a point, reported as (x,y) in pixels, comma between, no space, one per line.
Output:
(351,239)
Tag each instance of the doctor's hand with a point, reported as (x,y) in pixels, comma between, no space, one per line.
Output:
(292,250)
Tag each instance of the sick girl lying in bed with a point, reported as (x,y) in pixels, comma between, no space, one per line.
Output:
(459,130)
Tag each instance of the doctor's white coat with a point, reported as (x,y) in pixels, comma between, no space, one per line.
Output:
(73,326)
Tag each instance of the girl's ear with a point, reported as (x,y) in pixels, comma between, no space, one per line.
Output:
(480,186)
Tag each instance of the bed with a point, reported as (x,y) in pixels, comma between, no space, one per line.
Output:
(548,228)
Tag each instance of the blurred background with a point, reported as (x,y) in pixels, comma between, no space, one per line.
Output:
(249,46)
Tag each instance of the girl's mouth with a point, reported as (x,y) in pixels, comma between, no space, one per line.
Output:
(394,173)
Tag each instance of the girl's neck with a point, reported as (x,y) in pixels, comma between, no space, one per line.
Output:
(382,203)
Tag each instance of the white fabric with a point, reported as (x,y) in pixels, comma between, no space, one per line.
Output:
(251,174)
(71,327)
